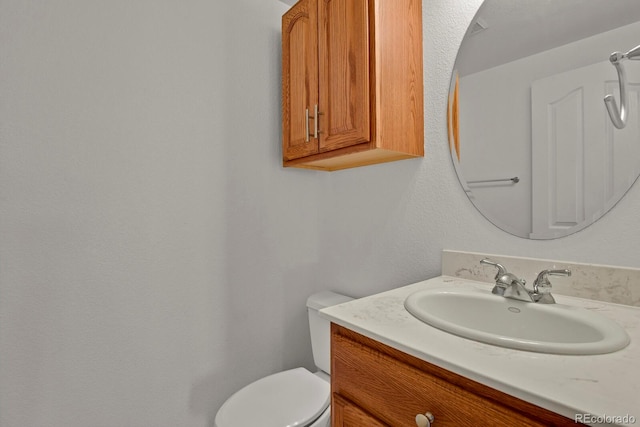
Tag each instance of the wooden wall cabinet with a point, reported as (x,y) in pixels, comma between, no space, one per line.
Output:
(375,385)
(352,83)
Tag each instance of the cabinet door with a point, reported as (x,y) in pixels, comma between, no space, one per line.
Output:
(299,78)
(346,414)
(344,80)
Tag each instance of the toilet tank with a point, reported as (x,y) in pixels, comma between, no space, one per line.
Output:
(320,328)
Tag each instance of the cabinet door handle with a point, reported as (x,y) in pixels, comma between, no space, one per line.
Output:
(425,420)
(306,125)
(316,118)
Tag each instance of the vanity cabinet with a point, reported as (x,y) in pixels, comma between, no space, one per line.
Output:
(352,83)
(376,385)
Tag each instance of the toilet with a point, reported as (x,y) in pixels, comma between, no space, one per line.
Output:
(293,398)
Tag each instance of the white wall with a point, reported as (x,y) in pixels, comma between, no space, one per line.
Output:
(154,255)
(146,225)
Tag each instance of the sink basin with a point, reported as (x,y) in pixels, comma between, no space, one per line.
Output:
(493,319)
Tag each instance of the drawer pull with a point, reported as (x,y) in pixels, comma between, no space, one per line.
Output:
(424,420)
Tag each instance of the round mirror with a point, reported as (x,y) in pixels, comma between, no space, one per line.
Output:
(531,139)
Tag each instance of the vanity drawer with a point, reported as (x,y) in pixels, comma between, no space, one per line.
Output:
(346,414)
(394,387)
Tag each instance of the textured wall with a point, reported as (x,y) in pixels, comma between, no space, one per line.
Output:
(154,255)
(144,217)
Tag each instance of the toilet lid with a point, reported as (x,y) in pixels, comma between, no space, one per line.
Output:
(286,399)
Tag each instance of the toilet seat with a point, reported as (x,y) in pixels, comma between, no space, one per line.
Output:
(291,398)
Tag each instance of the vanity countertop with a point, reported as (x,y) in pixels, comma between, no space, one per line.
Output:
(606,385)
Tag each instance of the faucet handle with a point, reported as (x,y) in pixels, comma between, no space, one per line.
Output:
(504,280)
(542,284)
(503,277)
(501,270)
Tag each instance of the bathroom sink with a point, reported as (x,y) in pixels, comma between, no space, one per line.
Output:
(493,319)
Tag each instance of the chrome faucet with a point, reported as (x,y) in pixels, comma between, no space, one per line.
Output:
(509,285)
